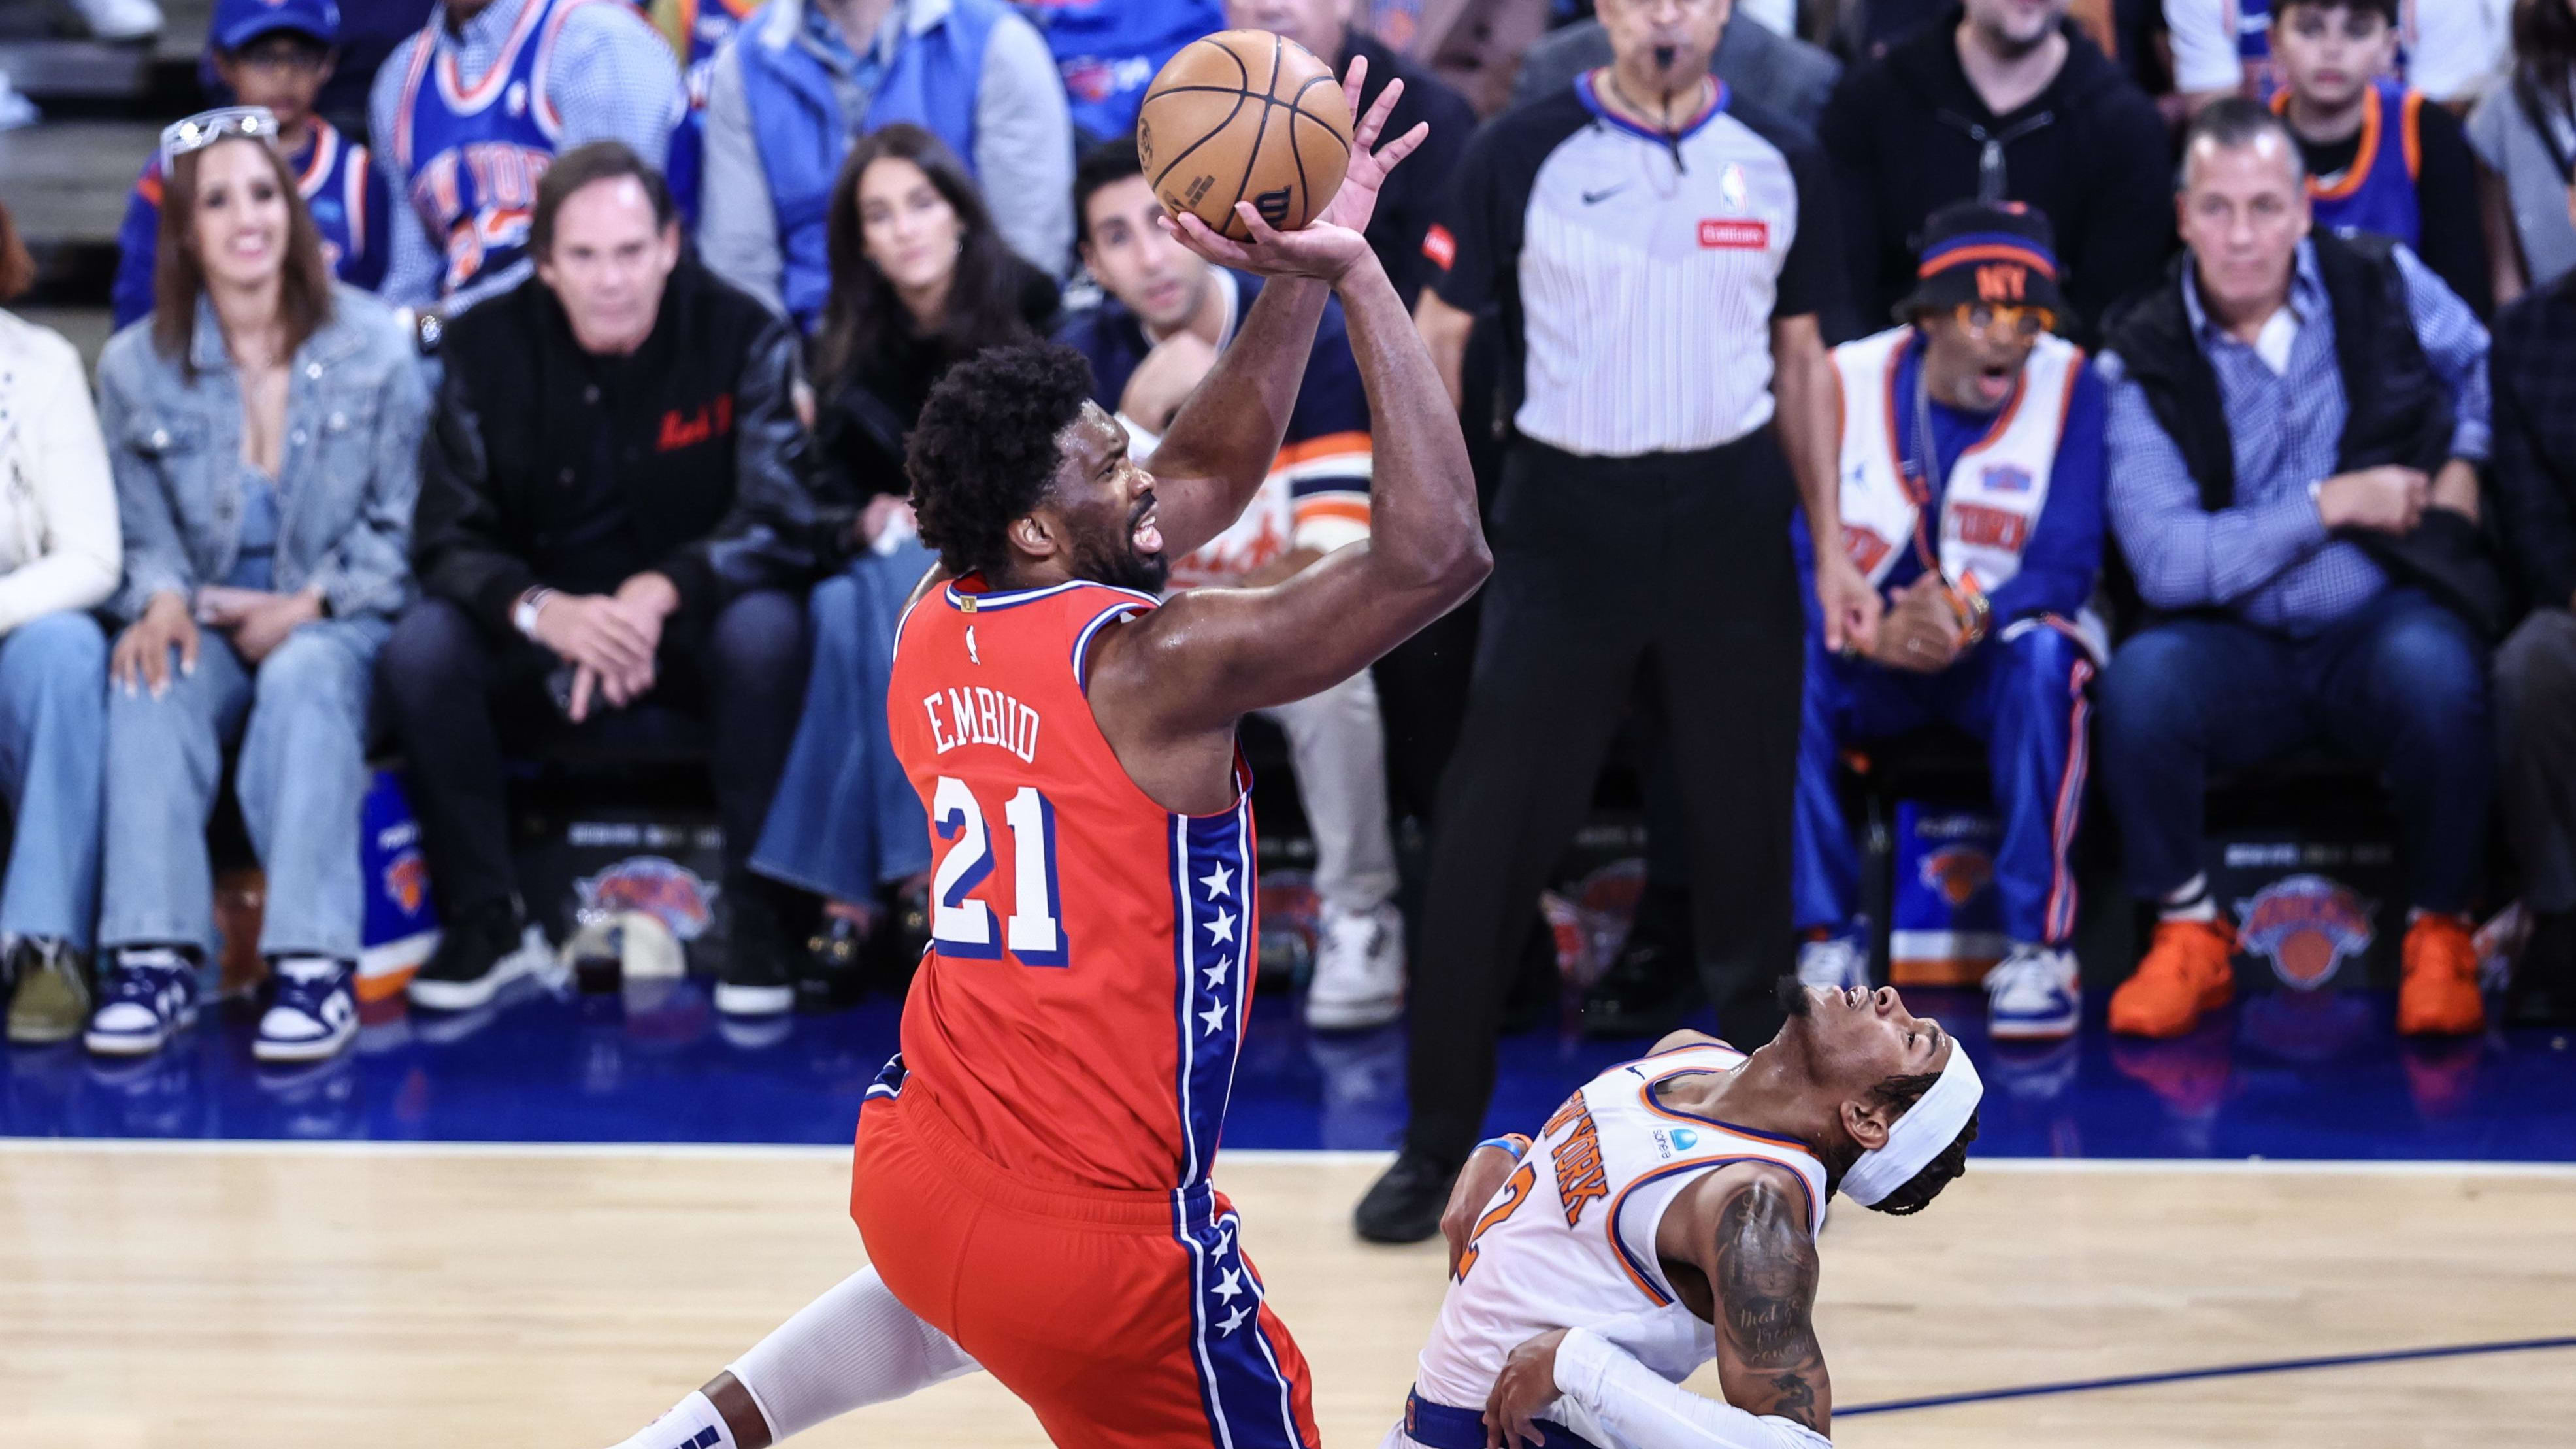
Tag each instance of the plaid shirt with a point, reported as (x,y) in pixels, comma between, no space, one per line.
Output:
(2268,557)
(2535,440)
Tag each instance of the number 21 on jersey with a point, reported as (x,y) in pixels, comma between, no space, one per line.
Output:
(960,924)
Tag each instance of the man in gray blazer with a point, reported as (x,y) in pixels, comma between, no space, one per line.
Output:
(1783,76)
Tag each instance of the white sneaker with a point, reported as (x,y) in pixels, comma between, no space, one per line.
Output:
(119,19)
(1835,963)
(1359,971)
(314,1014)
(2032,995)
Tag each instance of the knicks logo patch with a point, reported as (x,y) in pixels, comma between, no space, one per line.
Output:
(2005,478)
(407,881)
(1722,234)
(1958,872)
(2307,926)
(663,889)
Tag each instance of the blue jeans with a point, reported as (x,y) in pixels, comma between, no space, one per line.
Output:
(2400,683)
(2024,696)
(301,723)
(53,742)
(845,820)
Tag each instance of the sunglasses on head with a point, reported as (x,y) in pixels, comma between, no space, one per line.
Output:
(205,128)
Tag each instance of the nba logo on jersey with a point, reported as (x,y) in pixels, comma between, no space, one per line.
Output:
(516,100)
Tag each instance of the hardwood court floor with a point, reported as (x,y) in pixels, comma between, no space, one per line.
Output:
(267,1295)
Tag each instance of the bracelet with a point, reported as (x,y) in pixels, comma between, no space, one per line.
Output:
(1512,1142)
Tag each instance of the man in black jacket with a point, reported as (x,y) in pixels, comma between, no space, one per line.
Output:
(2534,376)
(2002,100)
(1405,209)
(606,501)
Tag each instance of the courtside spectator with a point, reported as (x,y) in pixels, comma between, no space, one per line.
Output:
(602,493)
(696,30)
(2296,424)
(1972,498)
(276,54)
(2451,50)
(1660,257)
(1406,208)
(2524,132)
(1761,66)
(798,86)
(921,281)
(2381,159)
(1107,51)
(467,114)
(1167,315)
(265,428)
(2001,100)
(2535,672)
(58,559)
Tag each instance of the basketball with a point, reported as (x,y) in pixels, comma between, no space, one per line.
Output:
(1244,115)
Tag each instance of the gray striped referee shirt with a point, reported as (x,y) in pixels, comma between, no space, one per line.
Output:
(1638,275)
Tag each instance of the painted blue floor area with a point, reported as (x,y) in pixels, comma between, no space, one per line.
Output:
(2280,1076)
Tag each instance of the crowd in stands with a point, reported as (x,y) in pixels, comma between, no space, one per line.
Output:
(1833,369)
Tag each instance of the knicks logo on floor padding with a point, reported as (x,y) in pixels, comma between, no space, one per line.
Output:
(2307,925)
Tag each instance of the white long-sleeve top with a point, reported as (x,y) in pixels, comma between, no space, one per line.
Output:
(59,544)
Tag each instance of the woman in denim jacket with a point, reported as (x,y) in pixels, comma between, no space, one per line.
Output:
(264,427)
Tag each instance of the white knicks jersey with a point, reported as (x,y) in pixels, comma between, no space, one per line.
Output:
(1569,1239)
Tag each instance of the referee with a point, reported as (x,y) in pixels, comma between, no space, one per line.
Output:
(1659,256)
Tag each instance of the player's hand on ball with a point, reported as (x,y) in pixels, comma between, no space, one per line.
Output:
(1523,1391)
(1356,202)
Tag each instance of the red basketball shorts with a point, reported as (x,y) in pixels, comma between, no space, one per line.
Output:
(1125,1319)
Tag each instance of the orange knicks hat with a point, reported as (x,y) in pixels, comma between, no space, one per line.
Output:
(2001,254)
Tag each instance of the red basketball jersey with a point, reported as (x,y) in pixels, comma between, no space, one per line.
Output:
(1081,1006)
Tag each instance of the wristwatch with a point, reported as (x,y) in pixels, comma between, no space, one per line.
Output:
(523,614)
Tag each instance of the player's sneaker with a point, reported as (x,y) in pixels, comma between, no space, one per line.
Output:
(756,979)
(314,1013)
(51,999)
(2185,973)
(1359,970)
(150,995)
(1834,962)
(2438,994)
(2031,995)
(478,954)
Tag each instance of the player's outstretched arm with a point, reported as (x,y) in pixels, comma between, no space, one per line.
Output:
(1223,441)
(1210,656)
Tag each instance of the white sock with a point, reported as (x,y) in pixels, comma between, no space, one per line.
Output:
(854,1346)
(693,1423)
(2191,901)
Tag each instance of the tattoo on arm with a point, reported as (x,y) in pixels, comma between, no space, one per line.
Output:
(1766,1294)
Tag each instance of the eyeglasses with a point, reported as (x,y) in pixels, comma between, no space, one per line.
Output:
(2011,324)
(196,133)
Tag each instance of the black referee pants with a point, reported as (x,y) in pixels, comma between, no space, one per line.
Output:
(1680,561)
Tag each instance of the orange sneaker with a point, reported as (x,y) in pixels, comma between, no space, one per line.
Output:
(2186,972)
(2438,995)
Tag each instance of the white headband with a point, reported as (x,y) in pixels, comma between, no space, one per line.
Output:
(1930,1125)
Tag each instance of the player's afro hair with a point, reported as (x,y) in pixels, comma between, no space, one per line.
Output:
(1916,1193)
(984,451)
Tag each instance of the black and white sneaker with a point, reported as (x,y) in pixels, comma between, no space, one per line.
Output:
(314,1014)
(758,977)
(477,955)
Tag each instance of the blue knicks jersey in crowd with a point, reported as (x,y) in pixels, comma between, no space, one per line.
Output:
(2377,193)
(697,29)
(471,156)
(346,196)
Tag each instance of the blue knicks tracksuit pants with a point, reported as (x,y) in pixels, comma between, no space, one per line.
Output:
(2024,696)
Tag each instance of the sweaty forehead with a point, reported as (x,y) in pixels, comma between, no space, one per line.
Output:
(1086,443)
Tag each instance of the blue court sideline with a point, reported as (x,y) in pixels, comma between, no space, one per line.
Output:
(2277,1076)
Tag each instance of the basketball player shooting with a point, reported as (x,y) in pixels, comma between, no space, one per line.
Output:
(1032,1170)
(1666,1216)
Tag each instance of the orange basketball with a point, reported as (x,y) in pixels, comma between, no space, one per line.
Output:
(1244,115)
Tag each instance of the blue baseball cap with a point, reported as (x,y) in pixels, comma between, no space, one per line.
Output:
(239,22)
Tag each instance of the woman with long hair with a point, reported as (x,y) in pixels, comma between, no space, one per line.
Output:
(2524,132)
(264,427)
(58,560)
(920,282)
